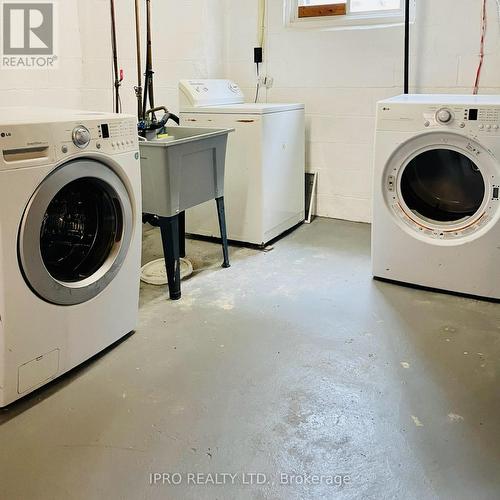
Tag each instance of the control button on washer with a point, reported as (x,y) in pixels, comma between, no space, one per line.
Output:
(64,149)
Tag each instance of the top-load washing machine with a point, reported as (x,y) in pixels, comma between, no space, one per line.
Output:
(265,161)
(70,241)
(436,193)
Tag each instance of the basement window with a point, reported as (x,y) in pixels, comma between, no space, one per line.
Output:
(331,14)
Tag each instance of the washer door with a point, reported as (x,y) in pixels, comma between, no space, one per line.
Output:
(443,186)
(75,233)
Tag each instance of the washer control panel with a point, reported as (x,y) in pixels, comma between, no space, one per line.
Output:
(199,93)
(24,145)
(110,136)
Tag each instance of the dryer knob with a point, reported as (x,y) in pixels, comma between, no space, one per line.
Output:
(81,136)
(444,116)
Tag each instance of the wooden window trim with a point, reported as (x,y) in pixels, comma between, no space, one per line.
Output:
(334,9)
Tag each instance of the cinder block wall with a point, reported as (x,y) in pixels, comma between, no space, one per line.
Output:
(188,40)
(340,75)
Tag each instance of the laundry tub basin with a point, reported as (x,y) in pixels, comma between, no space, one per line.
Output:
(184,170)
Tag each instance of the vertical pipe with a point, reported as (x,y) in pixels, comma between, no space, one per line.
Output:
(150,57)
(148,84)
(138,89)
(407,48)
(115,58)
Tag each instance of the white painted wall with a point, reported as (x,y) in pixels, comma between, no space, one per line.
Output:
(188,42)
(341,74)
(188,39)
(338,74)
(50,87)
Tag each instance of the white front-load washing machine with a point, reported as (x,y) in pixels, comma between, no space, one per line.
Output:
(70,241)
(436,212)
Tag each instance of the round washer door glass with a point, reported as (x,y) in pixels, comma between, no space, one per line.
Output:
(76,232)
(79,229)
(443,186)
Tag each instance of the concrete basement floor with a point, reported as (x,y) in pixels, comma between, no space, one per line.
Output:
(292,361)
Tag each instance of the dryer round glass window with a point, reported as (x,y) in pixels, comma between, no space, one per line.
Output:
(76,232)
(79,229)
(443,186)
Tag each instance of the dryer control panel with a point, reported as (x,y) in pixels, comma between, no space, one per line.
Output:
(485,119)
(468,119)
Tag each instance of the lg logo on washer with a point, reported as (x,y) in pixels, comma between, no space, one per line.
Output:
(28,35)
(5,134)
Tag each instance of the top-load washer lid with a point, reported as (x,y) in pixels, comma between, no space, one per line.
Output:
(224,97)
(245,109)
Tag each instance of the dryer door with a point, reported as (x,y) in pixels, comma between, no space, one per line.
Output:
(75,233)
(443,186)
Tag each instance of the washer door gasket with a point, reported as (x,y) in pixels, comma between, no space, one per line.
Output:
(75,232)
(442,185)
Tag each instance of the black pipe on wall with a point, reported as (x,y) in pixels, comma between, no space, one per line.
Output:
(407,48)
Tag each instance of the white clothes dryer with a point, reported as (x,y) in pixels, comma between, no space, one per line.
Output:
(436,212)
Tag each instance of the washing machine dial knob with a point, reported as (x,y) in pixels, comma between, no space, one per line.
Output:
(81,136)
(444,116)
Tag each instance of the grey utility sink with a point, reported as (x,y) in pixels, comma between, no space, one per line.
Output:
(184,170)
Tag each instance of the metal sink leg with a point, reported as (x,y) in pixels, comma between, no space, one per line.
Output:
(182,234)
(169,227)
(223,232)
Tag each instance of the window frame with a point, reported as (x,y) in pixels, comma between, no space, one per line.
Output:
(339,8)
(356,20)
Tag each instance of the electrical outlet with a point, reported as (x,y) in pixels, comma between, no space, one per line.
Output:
(266,81)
